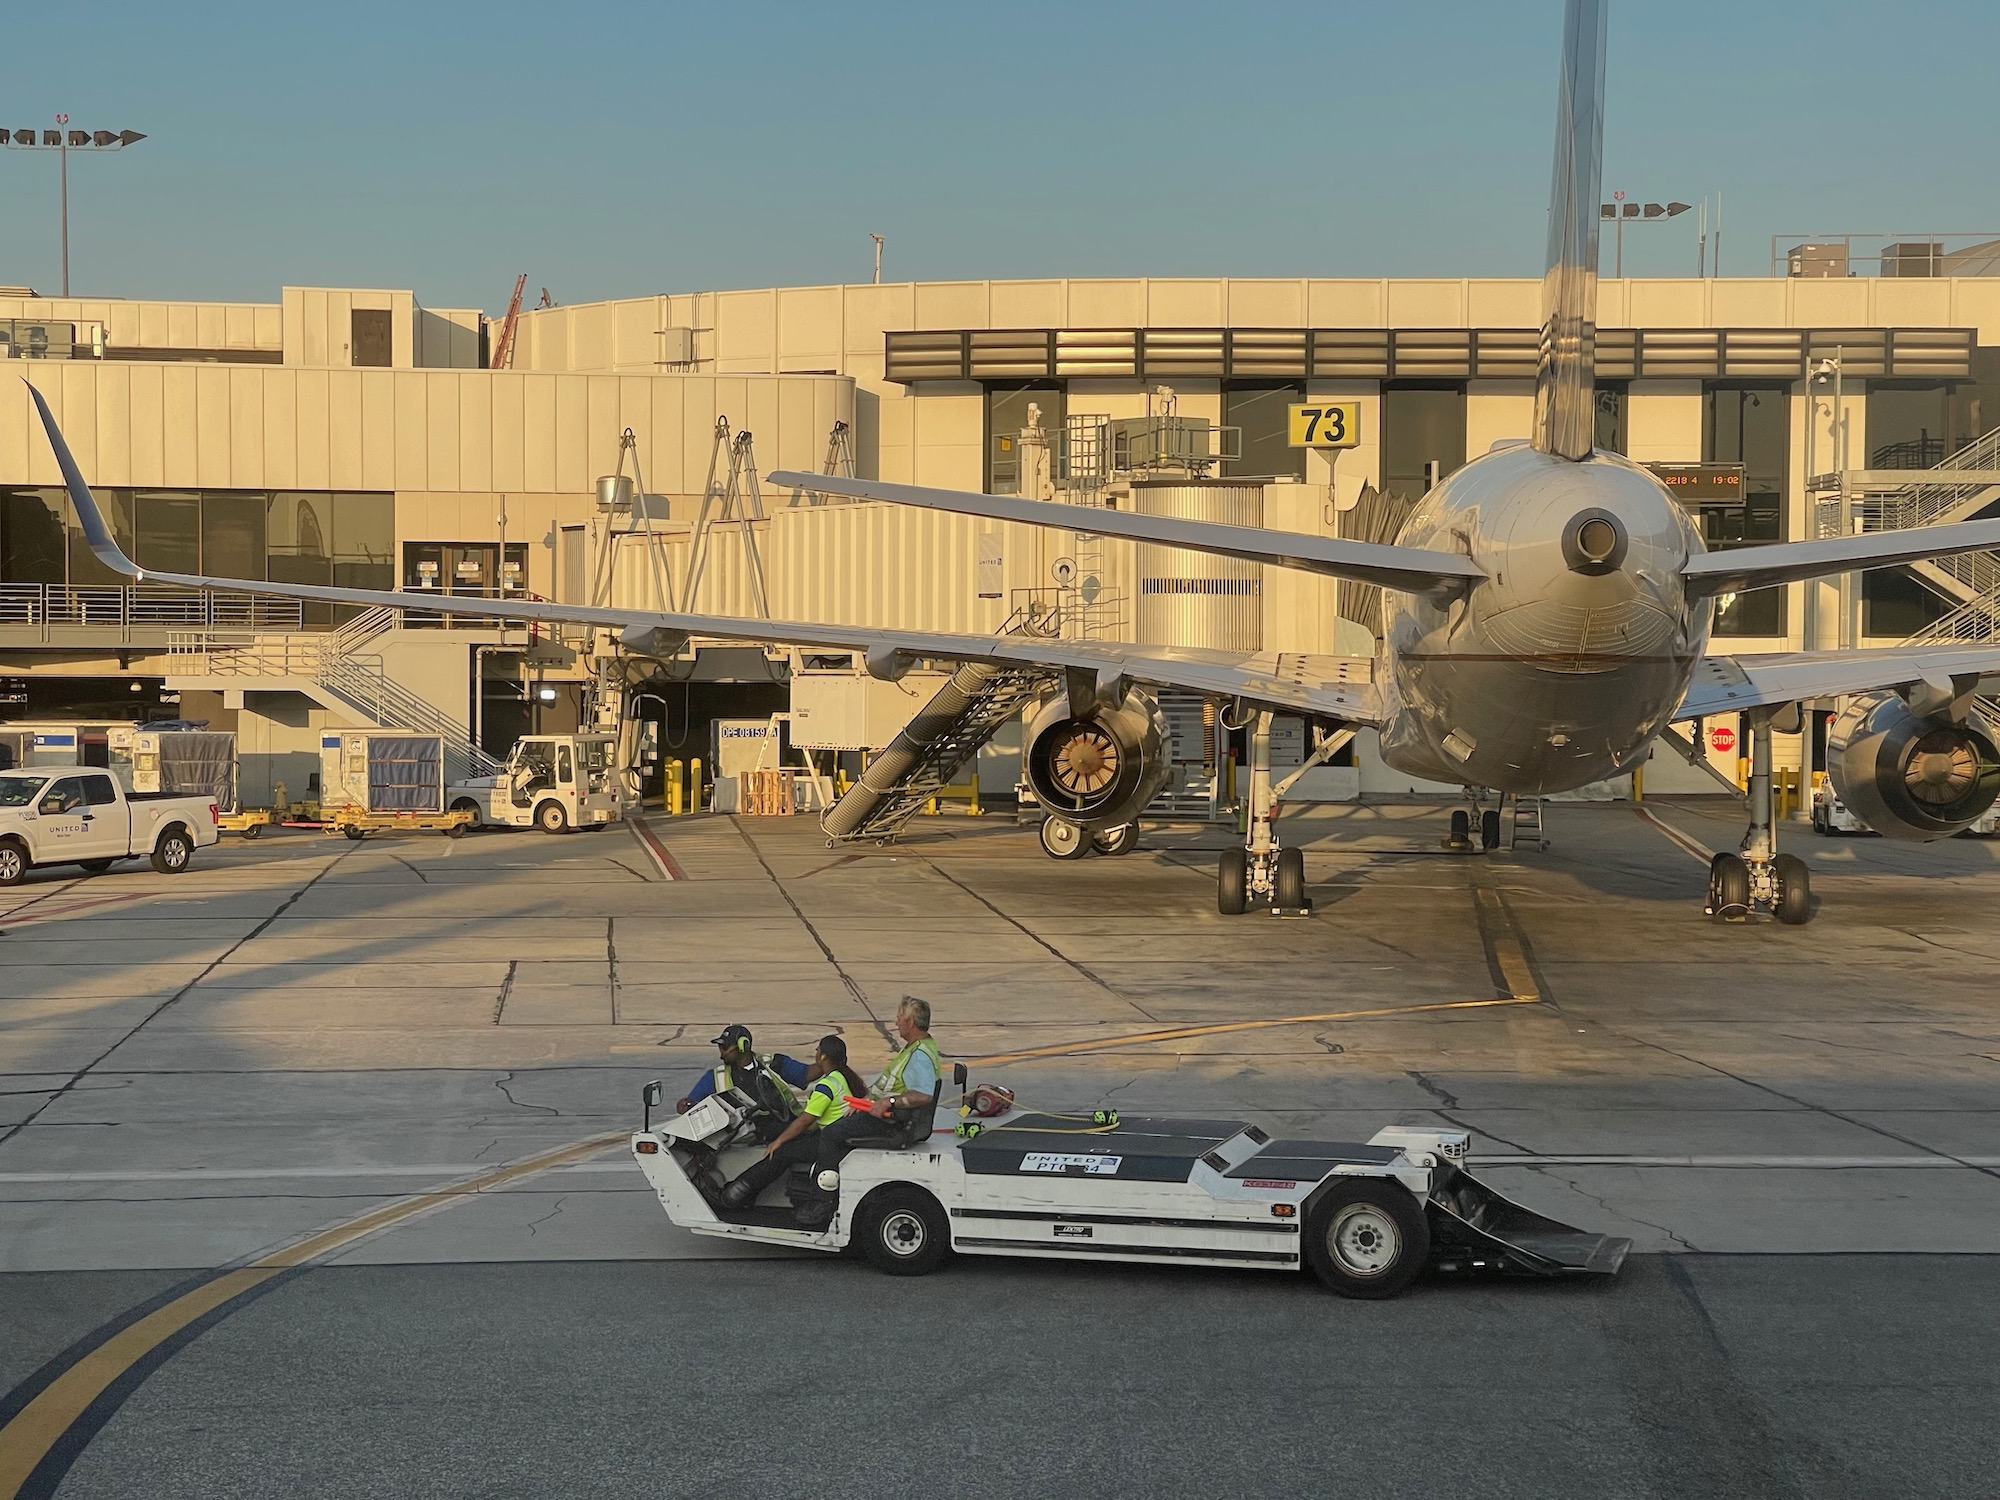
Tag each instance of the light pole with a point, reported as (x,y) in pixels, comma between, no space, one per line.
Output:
(878,256)
(1619,211)
(62,141)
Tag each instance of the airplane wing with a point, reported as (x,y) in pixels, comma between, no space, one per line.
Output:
(1411,570)
(1758,567)
(1730,684)
(1325,686)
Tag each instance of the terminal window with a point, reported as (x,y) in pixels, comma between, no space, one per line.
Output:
(1006,415)
(1748,425)
(1423,436)
(1260,415)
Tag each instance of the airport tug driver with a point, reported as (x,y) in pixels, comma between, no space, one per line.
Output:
(833,1080)
(766,1080)
(901,1101)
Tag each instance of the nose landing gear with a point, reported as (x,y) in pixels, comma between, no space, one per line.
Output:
(1474,816)
(1757,877)
(1263,868)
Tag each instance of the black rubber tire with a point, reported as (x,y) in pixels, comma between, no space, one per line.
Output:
(551,818)
(466,804)
(1115,841)
(1794,881)
(14,863)
(251,830)
(1728,888)
(1461,827)
(1288,880)
(97,866)
(1232,882)
(1489,828)
(903,1231)
(1364,1220)
(457,830)
(174,852)
(1062,839)
(357,834)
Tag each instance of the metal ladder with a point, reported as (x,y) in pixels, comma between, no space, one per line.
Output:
(1525,831)
(932,748)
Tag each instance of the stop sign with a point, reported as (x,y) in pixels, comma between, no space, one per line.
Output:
(1723,738)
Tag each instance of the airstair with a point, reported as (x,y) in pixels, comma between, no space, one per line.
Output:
(975,701)
(345,673)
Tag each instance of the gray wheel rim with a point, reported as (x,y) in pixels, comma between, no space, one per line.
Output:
(904,1233)
(1364,1240)
(176,852)
(10,863)
(1061,836)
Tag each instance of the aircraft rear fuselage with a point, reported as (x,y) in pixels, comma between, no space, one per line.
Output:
(1560,666)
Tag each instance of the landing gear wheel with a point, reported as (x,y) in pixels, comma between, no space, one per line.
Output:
(1794,881)
(1288,880)
(96,866)
(1489,828)
(903,1231)
(172,853)
(1062,839)
(1232,882)
(1728,888)
(1461,829)
(13,864)
(551,818)
(1367,1239)
(1121,840)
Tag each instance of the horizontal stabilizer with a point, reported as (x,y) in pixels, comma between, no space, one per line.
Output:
(1741,568)
(1412,570)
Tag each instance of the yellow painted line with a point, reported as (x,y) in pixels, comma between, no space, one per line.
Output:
(1184,1033)
(1674,835)
(1506,947)
(35,1430)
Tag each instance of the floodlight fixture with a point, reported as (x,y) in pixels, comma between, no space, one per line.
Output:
(64,141)
(1618,211)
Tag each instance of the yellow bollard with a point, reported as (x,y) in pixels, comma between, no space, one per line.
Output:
(694,785)
(1638,783)
(670,792)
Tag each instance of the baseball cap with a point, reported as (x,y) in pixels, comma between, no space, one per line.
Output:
(733,1036)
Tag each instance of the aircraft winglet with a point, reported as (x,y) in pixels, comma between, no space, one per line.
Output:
(94,530)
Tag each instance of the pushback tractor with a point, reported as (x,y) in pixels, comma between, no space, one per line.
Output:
(1366,1217)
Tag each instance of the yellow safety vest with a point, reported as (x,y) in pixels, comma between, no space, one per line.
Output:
(833,1090)
(891,1081)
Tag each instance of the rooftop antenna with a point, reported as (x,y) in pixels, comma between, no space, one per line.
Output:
(878,256)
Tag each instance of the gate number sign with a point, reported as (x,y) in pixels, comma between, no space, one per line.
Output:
(1329,424)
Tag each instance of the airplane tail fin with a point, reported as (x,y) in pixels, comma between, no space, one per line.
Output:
(1565,383)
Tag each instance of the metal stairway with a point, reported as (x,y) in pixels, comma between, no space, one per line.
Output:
(1964,486)
(336,663)
(932,748)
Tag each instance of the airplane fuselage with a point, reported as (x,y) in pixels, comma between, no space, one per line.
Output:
(1560,666)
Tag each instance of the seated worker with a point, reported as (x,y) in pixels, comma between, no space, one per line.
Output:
(833,1079)
(910,1083)
(762,1078)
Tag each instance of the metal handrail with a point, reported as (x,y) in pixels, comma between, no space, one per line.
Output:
(141,608)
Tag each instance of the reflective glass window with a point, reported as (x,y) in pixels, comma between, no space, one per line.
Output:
(32,542)
(84,568)
(1006,415)
(364,541)
(167,529)
(232,533)
(300,545)
(1611,418)
(1259,415)
(98,792)
(1748,425)
(1423,436)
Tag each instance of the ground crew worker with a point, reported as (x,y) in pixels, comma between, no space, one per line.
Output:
(910,1083)
(833,1080)
(738,1067)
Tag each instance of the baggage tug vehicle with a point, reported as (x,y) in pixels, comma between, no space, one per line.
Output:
(1368,1218)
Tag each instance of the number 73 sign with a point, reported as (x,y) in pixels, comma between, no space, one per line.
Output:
(1330,424)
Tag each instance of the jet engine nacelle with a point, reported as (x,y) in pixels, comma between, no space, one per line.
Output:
(1910,777)
(1098,772)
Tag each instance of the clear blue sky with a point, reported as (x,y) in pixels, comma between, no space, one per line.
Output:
(616,149)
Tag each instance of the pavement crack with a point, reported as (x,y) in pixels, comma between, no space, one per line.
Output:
(506,988)
(632,872)
(411,868)
(556,1208)
(611,963)
(505,1093)
(1445,1097)
(1583,1192)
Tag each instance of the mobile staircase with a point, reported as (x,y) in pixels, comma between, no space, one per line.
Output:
(939,742)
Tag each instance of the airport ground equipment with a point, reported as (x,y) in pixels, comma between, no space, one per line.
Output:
(249,822)
(57,743)
(82,816)
(381,771)
(1366,1217)
(183,758)
(554,782)
(357,822)
(1546,609)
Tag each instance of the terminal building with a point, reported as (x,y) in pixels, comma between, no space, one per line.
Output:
(357,437)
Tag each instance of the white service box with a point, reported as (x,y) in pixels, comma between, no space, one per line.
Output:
(853,711)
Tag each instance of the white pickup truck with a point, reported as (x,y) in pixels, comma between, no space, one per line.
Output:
(81,816)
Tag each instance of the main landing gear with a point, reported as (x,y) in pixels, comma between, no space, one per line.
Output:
(1062,839)
(1262,869)
(1464,820)
(1757,877)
